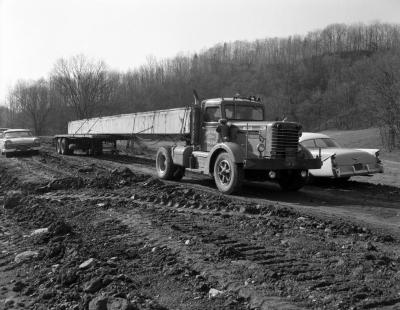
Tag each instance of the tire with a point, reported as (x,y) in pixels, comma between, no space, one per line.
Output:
(64,146)
(164,164)
(228,175)
(178,173)
(58,147)
(291,180)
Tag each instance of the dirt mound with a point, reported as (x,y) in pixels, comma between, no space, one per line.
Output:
(116,179)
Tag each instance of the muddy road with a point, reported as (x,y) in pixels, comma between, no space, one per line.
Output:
(102,233)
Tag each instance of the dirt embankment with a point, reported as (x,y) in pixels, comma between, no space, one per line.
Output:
(116,239)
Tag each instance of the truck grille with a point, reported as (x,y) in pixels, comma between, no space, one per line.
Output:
(285,139)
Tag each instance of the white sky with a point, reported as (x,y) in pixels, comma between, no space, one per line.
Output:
(123,33)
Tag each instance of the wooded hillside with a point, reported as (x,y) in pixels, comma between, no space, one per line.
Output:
(344,77)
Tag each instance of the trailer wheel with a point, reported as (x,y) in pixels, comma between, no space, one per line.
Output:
(57,142)
(164,164)
(227,174)
(64,146)
(291,180)
(178,173)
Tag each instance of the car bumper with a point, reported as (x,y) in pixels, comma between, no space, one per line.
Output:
(21,149)
(343,172)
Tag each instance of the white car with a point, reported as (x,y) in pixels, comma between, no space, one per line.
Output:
(18,140)
(338,162)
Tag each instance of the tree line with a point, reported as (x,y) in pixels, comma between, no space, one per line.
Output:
(343,77)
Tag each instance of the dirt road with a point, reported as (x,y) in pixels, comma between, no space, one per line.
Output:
(114,237)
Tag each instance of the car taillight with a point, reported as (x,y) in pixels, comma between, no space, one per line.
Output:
(7,143)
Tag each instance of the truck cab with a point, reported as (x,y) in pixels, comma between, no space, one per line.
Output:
(232,141)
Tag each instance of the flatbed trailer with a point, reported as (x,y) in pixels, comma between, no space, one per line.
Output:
(88,135)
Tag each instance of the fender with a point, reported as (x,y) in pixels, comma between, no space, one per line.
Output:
(233,149)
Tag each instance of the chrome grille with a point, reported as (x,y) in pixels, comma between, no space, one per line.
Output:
(285,139)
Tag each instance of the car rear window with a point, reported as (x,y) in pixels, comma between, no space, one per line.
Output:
(18,134)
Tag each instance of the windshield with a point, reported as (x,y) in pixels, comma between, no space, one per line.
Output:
(18,134)
(244,112)
(323,143)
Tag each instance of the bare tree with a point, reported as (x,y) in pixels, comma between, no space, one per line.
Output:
(84,84)
(32,100)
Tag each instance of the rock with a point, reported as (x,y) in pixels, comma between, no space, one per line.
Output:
(39,231)
(370,247)
(110,303)
(60,228)
(26,256)
(48,294)
(212,293)
(12,199)
(328,230)
(301,218)
(54,267)
(87,263)
(117,303)
(9,302)
(18,286)
(187,242)
(98,303)
(67,277)
(93,286)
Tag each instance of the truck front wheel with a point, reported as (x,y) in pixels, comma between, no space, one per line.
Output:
(227,174)
(164,164)
(291,180)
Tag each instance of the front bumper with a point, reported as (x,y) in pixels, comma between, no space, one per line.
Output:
(281,164)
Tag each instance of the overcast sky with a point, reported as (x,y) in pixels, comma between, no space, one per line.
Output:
(123,33)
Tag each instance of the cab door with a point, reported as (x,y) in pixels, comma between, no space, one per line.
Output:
(209,134)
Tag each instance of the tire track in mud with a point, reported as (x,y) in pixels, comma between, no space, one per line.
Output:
(229,243)
(155,220)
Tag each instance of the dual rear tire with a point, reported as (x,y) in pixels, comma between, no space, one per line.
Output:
(62,146)
(166,169)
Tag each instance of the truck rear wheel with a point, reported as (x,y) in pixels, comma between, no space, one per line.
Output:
(164,164)
(291,180)
(227,174)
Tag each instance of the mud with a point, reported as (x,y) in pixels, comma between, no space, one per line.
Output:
(117,238)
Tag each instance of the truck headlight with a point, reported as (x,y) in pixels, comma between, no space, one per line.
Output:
(7,144)
(261,147)
(36,142)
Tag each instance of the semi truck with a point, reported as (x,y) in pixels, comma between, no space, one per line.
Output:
(228,139)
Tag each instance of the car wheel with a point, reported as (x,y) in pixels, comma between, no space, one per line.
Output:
(228,175)
(291,180)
